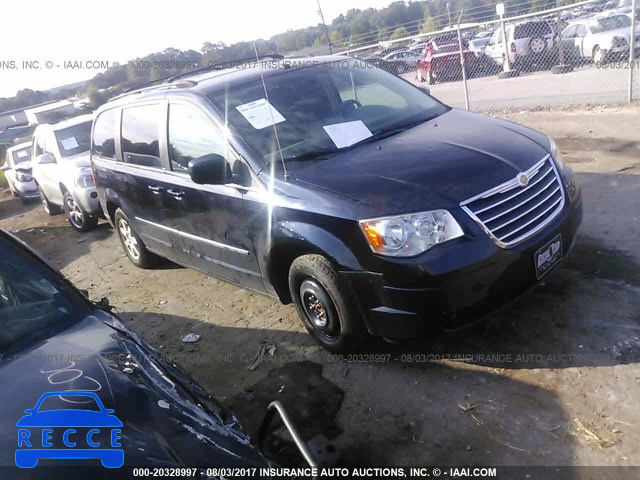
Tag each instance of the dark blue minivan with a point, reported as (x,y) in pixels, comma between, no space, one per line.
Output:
(337,186)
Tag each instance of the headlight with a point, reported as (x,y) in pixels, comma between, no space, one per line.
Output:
(85,179)
(23,177)
(555,153)
(409,235)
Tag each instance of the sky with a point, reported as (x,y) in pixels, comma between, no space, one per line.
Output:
(120,30)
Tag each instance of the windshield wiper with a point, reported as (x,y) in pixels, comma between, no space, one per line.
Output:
(389,132)
(313,155)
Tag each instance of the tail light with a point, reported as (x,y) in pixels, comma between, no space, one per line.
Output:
(513,48)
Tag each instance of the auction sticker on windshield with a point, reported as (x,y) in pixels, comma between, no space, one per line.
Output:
(69,143)
(546,257)
(347,133)
(260,114)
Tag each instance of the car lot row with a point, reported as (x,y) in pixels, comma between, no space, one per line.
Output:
(533,44)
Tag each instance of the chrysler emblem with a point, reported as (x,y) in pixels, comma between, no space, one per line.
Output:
(523,179)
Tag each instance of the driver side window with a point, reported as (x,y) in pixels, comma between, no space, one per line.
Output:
(192,134)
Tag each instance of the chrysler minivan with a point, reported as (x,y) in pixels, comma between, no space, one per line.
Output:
(329,183)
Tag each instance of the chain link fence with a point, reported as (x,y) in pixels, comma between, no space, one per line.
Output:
(573,55)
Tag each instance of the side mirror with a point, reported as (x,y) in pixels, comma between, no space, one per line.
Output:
(210,169)
(45,158)
(425,89)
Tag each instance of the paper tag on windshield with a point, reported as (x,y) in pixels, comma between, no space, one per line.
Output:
(21,153)
(348,133)
(69,143)
(260,114)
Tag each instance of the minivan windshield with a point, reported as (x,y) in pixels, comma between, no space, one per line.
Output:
(75,139)
(322,109)
(21,155)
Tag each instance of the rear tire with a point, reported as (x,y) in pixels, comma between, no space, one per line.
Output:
(132,244)
(78,218)
(50,208)
(324,304)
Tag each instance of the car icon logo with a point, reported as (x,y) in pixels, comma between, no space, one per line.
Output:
(69,433)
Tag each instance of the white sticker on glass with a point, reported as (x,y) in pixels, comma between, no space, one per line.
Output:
(69,143)
(348,133)
(260,114)
(21,153)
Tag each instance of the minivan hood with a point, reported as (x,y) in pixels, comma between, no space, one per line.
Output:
(437,164)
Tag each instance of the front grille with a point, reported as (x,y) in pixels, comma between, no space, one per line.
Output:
(510,213)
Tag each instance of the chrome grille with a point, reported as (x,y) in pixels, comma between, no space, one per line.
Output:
(510,213)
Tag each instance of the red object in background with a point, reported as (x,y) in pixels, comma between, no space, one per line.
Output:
(441,62)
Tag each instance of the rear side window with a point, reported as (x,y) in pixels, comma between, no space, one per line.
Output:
(141,135)
(103,142)
(532,29)
(192,134)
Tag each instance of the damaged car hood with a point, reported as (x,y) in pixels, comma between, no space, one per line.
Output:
(168,419)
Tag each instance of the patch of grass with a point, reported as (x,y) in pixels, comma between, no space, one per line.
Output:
(3,181)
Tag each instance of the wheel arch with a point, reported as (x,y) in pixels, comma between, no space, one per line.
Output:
(291,240)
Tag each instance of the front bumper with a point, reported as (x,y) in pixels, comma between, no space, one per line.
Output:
(88,200)
(488,279)
(26,189)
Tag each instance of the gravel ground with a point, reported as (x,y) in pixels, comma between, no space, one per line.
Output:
(553,380)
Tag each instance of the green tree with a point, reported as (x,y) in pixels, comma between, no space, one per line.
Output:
(399,33)
(95,97)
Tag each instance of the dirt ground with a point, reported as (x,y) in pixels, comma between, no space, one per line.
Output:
(553,380)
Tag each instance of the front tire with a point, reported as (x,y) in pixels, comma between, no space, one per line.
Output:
(323,303)
(132,244)
(78,218)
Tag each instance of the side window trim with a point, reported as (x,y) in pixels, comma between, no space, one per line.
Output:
(162,133)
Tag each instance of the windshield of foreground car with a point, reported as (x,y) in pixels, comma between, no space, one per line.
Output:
(75,139)
(609,23)
(322,109)
(21,155)
(35,303)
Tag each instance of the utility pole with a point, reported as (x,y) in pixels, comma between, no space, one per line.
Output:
(449,14)
(326,31)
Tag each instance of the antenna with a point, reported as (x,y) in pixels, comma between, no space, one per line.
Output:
(273,120)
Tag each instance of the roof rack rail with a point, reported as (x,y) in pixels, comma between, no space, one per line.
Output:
(224,65)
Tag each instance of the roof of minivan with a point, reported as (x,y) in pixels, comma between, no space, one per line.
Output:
(204,82)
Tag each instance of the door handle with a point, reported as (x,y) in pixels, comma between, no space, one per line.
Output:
(155,189)
(175,193)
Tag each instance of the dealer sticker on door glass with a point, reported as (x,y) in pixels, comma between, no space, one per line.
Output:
(546,257)
(260,114)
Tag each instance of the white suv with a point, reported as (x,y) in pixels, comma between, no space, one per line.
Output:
(530,43)
(62,170)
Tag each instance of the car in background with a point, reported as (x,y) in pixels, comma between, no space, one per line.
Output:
(442,63)
(403,60)
(482,64)
(530,45)
(62,171)
(52,338)
(599,39)
(17,171)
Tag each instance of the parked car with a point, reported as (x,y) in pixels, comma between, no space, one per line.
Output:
(403,60)
(530,45)
(350,192)
(17,171)
(599,39)
(443,63)
(62,170)
(57,347)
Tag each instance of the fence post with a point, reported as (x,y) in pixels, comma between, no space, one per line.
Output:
(632,47)
(462,64)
